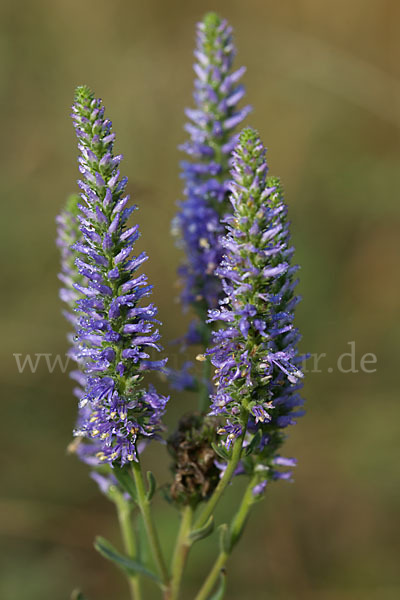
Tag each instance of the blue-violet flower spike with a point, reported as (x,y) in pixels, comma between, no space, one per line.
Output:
(211,128)
(115,332)
(257,364)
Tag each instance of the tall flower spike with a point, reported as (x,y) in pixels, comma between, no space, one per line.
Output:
(212,139)
(114,332)
(258,368)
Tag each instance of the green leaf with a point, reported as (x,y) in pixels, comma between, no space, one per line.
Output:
(124,478)
(126,564)
(221,451)
(224,538)
(151,480)
(220,593)
(254,442)
(202,532)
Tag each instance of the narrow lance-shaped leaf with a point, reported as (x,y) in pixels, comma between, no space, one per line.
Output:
(203,532)
(126,564)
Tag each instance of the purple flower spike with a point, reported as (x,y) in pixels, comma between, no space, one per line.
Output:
(114,334)
(257,364)
(206,172)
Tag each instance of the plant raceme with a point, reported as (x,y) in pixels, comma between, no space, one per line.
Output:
(239,281)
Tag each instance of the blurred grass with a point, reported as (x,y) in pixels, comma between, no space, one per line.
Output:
(324,82)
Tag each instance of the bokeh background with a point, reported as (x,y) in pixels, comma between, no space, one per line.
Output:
(324,81)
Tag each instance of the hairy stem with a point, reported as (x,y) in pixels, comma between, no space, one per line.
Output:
(124,511)
(145,509)
(223,482)
(212,578)
(235,531)
(239,520)
(181,552)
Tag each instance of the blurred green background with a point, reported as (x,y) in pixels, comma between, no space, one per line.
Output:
(324,81)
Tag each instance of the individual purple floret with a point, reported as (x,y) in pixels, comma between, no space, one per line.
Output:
(211,128)
(115,332)
(257,364)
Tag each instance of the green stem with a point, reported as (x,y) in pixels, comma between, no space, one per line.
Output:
(125,522)
(181,552)
(223,482)
(235,531)
(239,520)
(211,580)
(144,506)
